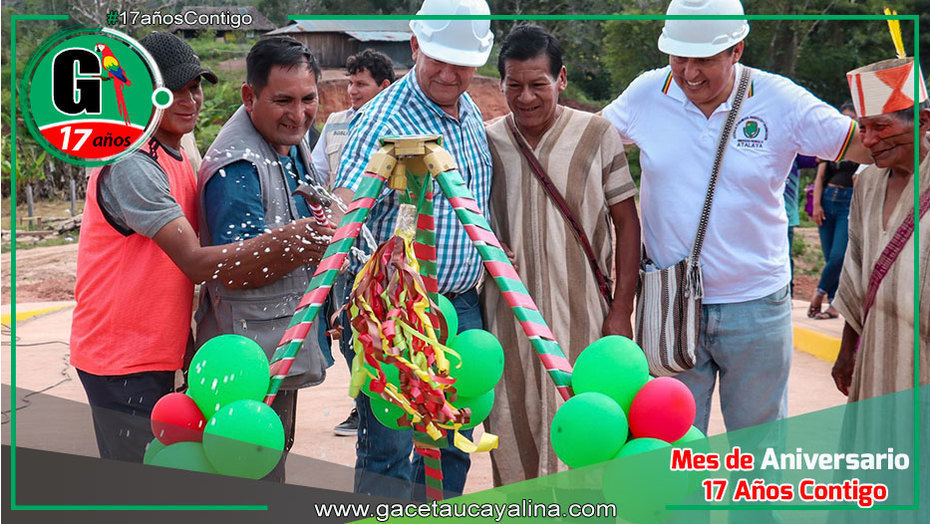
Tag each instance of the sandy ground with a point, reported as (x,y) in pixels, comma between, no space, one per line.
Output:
(42,273)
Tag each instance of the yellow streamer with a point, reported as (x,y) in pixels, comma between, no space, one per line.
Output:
(486,443)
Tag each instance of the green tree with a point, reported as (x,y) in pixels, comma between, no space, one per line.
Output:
(630,47)
(580,39)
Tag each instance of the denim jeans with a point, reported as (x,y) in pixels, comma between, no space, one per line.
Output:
(834,234)
(383,466)
(342,288)
(749,344)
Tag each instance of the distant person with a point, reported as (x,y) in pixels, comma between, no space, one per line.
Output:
(138,259)
(833,192)
(878,282)
(369,72)
(583,157)
(792,188)
(246,183)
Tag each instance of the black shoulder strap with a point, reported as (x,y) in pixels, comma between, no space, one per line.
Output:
(125,231)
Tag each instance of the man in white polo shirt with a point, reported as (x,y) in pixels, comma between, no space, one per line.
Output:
(675,114)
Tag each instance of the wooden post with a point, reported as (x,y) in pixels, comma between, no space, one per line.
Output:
(73,185)
(29,201)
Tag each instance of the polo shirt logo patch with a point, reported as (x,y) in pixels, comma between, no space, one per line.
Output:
(751,132)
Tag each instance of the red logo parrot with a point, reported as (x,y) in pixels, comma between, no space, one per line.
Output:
(111,64)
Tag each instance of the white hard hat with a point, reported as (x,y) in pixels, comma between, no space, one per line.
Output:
(702,38)
(456,41)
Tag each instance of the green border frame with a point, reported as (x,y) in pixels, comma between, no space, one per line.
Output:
(916,463)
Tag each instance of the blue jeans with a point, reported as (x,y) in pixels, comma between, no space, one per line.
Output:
(749,344)
(834,234)
(382,455)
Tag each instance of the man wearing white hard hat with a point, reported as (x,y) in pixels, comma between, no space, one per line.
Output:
(675,115)
(876,289)
(431,100)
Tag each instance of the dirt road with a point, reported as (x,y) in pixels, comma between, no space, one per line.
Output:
(43,274)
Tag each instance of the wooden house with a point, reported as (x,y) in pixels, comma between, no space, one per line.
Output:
(333,41)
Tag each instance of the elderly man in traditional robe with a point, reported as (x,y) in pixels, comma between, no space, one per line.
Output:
(583,158)
(877,285)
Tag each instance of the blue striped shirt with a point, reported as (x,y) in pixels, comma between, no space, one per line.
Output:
(403,109)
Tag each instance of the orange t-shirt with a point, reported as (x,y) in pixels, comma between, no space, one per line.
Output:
(133,310)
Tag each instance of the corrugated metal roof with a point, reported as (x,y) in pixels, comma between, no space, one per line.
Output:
(386,27)
(379,36)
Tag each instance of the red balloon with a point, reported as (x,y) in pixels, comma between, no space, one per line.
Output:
(176,418)
(663,409)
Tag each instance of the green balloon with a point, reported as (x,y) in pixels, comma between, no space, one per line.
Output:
(587,429)
(447,310)
(614,366)
(692,435)
(641,445)
(152,449)
(641,486)
(480,407)
(244,439)
(482,362)
(387,413)
(184,455)
(698,443)
(390,371)
(226,369)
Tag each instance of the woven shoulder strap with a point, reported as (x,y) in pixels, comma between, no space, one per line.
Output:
(744,79)
(891,252)
(603,283)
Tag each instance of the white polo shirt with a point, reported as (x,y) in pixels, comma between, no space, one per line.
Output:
(745,254)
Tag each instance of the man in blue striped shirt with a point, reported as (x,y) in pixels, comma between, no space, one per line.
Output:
(430,99)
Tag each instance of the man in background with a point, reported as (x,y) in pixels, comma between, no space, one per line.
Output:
(369,72)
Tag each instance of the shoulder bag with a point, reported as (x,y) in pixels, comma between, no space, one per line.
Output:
(668,301)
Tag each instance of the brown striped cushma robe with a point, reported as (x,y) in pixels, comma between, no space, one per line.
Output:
(584,157)
(885,361)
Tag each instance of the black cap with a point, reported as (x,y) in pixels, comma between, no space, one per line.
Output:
(176,60)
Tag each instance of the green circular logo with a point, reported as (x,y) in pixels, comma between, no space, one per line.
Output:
(91,95)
